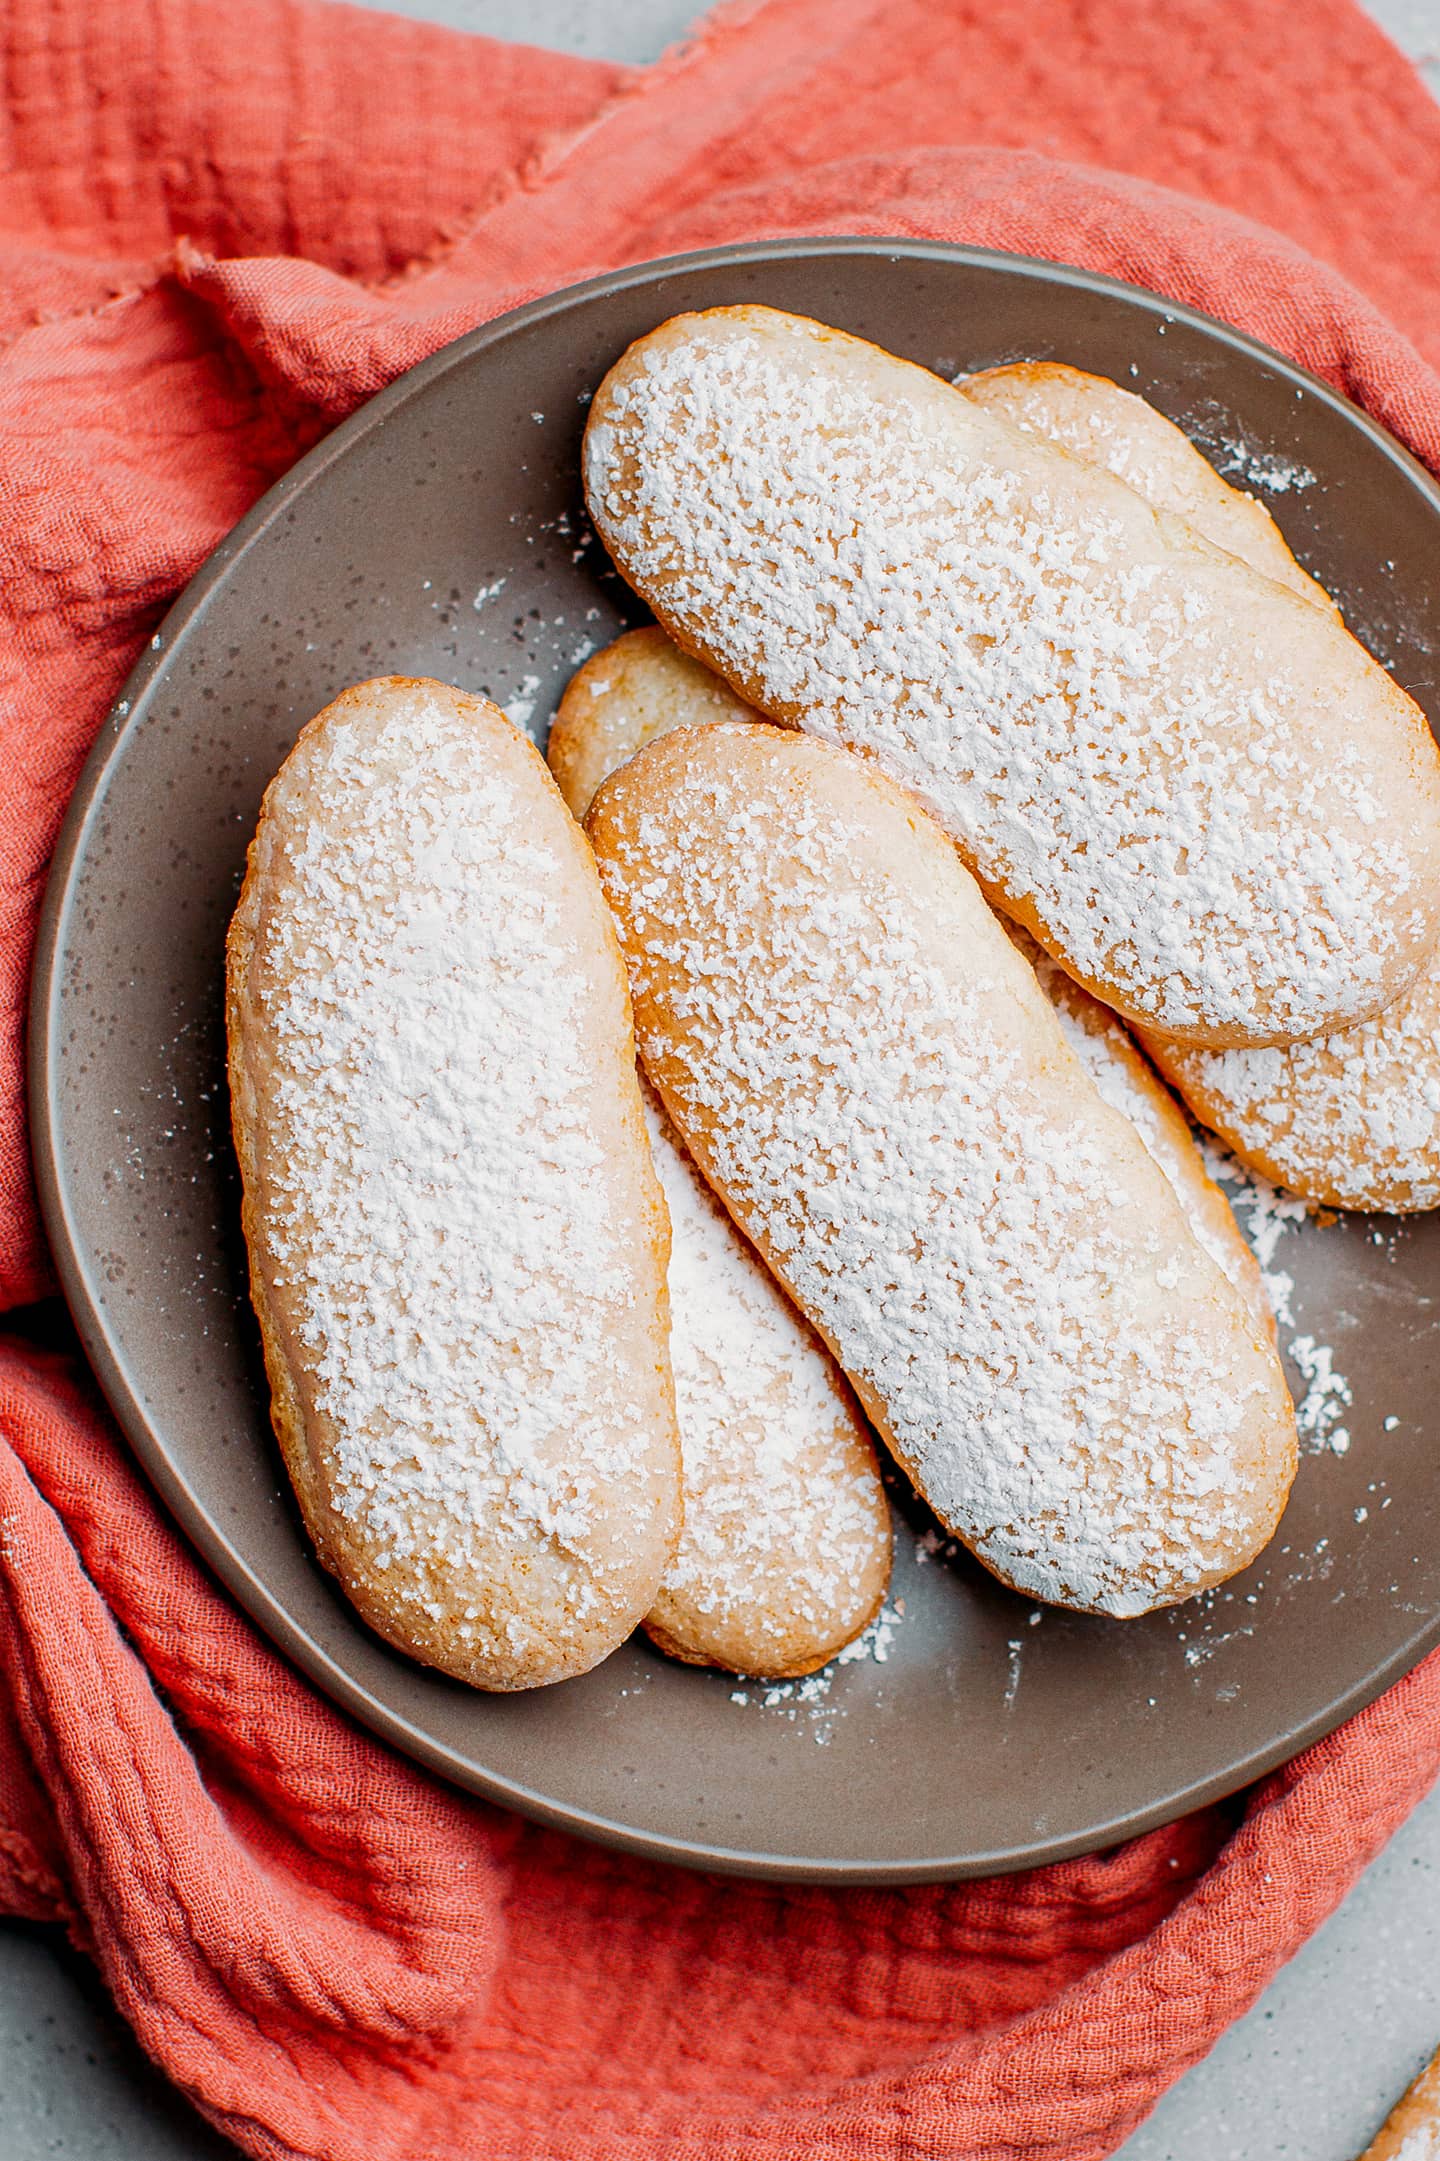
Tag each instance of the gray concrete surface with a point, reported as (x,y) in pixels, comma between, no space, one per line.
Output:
(1415,27)
(1307,2076)
(634,30)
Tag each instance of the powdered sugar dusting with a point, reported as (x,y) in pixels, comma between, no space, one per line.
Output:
(786,1537)
(1062,687)
(1268,470)
(440,1220)
(1104,1048)
(1094,419)
(1046,1351)
(1351,1119)
(521,708)
(1327,1396)
(1264,1213)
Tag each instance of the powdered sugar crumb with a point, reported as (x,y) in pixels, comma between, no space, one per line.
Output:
(521,708)
(931,1544)
(1274,474)
(1328,1395)
(811,1695)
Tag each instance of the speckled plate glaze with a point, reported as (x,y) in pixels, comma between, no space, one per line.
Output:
(441,532)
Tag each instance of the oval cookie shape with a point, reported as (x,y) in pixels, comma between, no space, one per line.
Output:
(1348,1120)
(785,1552)
(457,1243)
(868,1073)
(1197,791)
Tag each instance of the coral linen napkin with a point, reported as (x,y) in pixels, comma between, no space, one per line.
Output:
(223,223)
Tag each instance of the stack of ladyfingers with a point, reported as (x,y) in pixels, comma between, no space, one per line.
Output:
(980,725)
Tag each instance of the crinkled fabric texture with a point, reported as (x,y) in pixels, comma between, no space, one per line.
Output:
(223,224)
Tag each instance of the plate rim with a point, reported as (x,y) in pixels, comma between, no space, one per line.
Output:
(73,1269)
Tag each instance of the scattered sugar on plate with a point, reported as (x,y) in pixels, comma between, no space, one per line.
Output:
(521,708)
(1327,1396)
(1264,469)
(810,1694)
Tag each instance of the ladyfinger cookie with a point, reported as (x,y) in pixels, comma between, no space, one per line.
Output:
(1095,419)
(457,1242)
(643,687)
(1198,792)
(1351,1120)
(866,1071)
(785,1552)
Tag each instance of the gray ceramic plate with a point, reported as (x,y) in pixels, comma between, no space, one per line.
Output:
(440,532)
